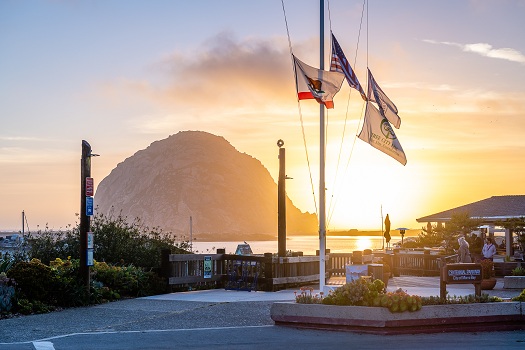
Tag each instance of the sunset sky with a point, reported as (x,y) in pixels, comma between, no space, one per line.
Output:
(122,74)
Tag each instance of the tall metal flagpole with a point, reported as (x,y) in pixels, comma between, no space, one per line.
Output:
(322,188)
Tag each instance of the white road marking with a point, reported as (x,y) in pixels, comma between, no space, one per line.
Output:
(43,345)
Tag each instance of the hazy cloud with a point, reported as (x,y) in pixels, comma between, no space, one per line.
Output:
(486,50)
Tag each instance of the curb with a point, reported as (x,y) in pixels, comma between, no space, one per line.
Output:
(430,319)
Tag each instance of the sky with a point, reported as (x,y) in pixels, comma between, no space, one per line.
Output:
(123,74)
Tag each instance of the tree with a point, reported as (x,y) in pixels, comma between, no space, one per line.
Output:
(460,224)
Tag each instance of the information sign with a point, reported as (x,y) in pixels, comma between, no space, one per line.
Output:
(89,187)
(90,240)
(208,266)
(90,257)
(89,206)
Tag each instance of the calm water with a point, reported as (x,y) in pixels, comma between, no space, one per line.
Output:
(306,244)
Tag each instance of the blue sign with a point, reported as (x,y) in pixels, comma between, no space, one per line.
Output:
(89,206)
(208,266)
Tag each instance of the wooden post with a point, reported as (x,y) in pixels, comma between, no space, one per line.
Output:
(85,171)
(268,275)
(281,201)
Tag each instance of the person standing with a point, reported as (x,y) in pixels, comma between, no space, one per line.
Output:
(489,249)
(464,253)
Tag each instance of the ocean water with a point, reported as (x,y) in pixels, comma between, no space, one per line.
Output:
(306,244)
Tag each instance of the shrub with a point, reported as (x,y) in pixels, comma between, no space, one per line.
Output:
(520,297)
(518,271)
(7,292)
(468,299)
(35,281)
(359,292)
(306,296)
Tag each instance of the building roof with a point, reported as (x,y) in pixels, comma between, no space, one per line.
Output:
(491,209)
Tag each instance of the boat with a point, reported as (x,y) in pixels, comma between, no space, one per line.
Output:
(322,85)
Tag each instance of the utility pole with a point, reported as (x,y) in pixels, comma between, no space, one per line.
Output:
(86,211)
(281,201)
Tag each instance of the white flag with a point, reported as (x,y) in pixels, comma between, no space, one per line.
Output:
(315,83)
(379,134)
(387,108)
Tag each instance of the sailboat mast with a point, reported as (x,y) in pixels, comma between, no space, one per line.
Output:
(322,152)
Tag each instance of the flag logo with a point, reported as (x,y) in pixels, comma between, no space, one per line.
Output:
(386,130)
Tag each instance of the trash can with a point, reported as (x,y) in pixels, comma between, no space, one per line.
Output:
(357,257)
(376,271)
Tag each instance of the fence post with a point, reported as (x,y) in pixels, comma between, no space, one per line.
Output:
(165,266)
(426,262)
(268,274)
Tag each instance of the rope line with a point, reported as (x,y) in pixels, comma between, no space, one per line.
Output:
(332,199)
(300,111)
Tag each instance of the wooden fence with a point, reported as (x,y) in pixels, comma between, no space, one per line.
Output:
(271,273)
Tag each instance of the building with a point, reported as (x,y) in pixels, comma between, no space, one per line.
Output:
(490,211)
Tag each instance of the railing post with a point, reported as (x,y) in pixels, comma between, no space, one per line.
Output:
(268,274)
(426,263)
(394,262)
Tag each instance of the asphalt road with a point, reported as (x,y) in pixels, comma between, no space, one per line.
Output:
(168,324)
(236,320)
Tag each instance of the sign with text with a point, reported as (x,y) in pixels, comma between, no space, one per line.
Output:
(462,273)
(90,242)
(90,192)
(208,267)
(90,261)
(89,206)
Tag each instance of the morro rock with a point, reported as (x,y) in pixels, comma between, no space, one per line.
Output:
(228,194)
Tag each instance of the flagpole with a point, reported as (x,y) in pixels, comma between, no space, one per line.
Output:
(322,188)
(382,232)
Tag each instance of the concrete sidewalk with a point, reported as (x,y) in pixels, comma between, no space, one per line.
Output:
(422,286)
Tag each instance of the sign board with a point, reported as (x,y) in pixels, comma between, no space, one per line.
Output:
(90,240)
(462,273)
(89,187)
(89,206)
(90,261)
(208,267)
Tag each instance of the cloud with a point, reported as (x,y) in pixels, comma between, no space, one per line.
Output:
(486,50)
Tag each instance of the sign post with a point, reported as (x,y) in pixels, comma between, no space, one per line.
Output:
(86,211)
(463,273)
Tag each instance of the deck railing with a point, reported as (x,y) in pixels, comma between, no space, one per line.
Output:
(273,273)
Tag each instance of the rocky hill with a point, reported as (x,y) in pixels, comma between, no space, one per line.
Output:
(228,194)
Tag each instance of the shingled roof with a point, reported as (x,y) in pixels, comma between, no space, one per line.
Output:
(491,209)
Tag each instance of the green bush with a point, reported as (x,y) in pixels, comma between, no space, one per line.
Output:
(35,281)
(518,271)
(520,297)
(359,292)
(116,241)
(7,292)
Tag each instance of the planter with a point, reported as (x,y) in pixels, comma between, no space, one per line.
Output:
(514,282)
(487,284)
(430,319)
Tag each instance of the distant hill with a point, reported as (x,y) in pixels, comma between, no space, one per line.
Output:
(228,194)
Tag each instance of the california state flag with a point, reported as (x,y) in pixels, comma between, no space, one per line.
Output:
(317,84)
(378,132)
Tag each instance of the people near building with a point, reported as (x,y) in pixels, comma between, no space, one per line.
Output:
(489,249)
(475,246)
(463,252)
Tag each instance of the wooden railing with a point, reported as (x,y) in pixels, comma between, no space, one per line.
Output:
(273,273)
(239,272)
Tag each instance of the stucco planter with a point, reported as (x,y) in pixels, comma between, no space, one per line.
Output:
(435,318)
(514,282)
